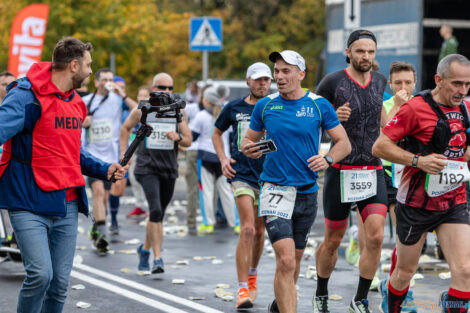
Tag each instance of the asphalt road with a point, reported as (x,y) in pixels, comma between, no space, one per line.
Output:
(112,283)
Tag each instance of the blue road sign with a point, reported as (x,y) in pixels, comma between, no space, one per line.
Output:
(205,34)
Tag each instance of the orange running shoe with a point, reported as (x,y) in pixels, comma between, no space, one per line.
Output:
(243,299)
(252,286)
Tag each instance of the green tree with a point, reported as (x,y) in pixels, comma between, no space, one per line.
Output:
(152,36)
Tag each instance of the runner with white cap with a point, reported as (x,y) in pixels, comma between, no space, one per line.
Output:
(243,173)
(293,119)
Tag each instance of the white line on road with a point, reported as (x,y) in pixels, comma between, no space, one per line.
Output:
(126,293)
(142,287)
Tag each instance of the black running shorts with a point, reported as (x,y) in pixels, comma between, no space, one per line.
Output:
(391,191)
(412,222)
(298,227)
(106,183)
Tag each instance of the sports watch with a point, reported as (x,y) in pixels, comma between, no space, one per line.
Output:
(181,138)
(328,159)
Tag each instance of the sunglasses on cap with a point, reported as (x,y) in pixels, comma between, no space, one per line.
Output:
(162,87)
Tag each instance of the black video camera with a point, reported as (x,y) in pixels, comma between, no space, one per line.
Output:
(165,104)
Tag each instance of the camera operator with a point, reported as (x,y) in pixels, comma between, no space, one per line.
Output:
(157,167)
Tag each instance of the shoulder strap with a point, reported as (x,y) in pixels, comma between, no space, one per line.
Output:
(466,120)
(427,96)
(91,102)
(88,105)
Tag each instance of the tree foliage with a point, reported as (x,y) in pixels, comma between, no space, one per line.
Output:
(152,36)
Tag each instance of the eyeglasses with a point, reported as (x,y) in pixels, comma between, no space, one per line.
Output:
(162,87)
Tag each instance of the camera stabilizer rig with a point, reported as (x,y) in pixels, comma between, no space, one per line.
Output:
(165,105)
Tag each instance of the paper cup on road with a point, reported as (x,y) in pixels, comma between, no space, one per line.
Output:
(178,281)
(83,305)
(445,275)
(197,298)
(227,298)
(134,241)
(335,297)
(418,276)
(78,259)
(223,286)
(78,287)
(219,292)
(182,262)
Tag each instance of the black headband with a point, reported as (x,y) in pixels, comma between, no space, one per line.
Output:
(360,34)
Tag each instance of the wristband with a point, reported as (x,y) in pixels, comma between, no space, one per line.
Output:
(414,163)
(181,138)
(125,97)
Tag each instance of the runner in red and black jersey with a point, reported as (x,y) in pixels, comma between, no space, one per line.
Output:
(431,193)
(357,94)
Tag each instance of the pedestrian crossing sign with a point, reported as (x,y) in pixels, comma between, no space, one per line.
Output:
(205,34)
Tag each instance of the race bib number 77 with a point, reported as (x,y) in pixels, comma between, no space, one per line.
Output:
(277,200)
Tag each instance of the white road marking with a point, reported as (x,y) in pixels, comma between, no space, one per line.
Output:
(142,287)
(126,293)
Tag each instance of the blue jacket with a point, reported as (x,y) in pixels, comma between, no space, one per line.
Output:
(19,113)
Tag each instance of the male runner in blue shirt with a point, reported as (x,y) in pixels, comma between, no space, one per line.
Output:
(294,119)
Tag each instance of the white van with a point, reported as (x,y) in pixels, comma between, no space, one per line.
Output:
(238,88)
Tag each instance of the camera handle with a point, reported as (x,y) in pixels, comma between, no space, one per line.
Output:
(143,131)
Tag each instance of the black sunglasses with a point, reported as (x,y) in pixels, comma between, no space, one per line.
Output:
(161,87)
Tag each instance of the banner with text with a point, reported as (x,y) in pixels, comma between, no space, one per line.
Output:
(27,38)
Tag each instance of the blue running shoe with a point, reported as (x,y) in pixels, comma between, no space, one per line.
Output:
(143,259)
(443,300)
(157,267)
(383,291)
(409,304)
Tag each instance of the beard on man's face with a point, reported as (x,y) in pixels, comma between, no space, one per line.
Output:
(77,80)
(361,67)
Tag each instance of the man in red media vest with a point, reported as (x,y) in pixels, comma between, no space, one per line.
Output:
(41,181)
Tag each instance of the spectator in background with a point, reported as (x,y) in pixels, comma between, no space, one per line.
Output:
(450,43)
(210,168)
(192,92)
(5,79)
(192,181)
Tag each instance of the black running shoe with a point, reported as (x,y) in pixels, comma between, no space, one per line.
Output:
(272,308)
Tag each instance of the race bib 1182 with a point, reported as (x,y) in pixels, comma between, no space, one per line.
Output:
(450,178)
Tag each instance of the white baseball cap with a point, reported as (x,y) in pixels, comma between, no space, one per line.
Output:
(290,57)
(258,70)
